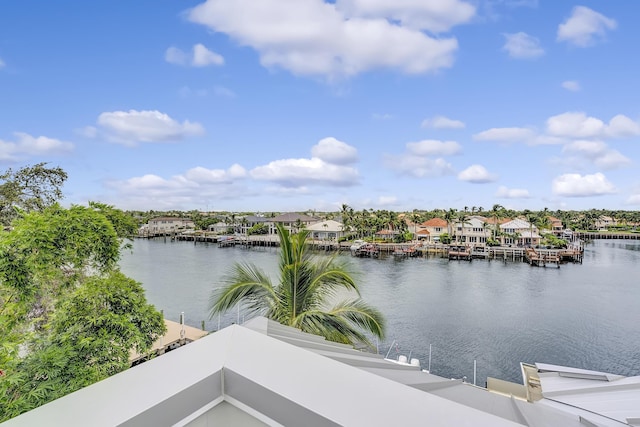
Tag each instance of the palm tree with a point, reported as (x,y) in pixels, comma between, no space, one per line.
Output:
(303,297)
(463,219)
(450,216)
(497,212)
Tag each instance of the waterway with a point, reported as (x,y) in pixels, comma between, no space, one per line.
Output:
(498,313)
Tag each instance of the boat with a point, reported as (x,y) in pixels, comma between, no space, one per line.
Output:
(357,244)
(368,250)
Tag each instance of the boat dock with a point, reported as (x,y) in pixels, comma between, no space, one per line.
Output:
(541,259)
(535,257)
(176,336)
(460,253)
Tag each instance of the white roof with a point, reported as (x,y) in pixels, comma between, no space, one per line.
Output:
(613,396)
(270,380)
(517,224)
(331,226)
(265,373)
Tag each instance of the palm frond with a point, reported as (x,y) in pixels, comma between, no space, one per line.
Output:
(245,284)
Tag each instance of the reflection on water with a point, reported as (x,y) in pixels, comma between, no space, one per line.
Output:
(498,313)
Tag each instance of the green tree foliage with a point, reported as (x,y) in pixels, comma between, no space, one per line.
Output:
(92,333)
(304,296)
(65,306)
(124,224)
(258,229)
(29,188)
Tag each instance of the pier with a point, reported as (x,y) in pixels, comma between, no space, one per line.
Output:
(460,253)
(540,259)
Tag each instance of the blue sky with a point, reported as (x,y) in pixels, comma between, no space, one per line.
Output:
(279,105)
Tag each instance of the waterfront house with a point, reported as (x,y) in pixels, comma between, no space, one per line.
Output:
(556,226)
(220,227)
(519,232)
(166,225)
(604,222)
(327,230)
(387,234)
(268,374)
(291,221)
(423,235)
(251,221)
(435,227)
(472,231)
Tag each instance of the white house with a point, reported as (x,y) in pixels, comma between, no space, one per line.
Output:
(327,230)
(519,232)
(167,224)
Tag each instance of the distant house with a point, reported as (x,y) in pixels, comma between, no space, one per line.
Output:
(220,227)
(291,221)
(251,221)
(387,234)
(166,224)
(604,222)
(327,230)
(435,227)
(556,225)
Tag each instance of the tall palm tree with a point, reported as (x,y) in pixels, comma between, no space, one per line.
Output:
(463,219)
(304,296)
(450,216)
(497,212)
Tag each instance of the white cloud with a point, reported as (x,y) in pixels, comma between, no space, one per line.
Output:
(423,159)
(327,166)
(622,126)
(576,185)
(173,55)
(203,175)
(432,147)
(579,125)
(418,166)
(575,125)
(430,15)
(389,201)
(476,174)
(331,150)
(301,172)
(571,85)
(522,46)
(145,126)
(2,64)
(584,27)
(512,193)
(312,37)
(598,153)
(442,122)
(633,199)
(180,191)
(26,145)
(506,135)
(203,57)
(200,57)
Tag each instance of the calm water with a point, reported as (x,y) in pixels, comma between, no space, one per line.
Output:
(499,313)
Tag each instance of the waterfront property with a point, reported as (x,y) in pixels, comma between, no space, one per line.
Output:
(327,230)
(165,225)
(298,378)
